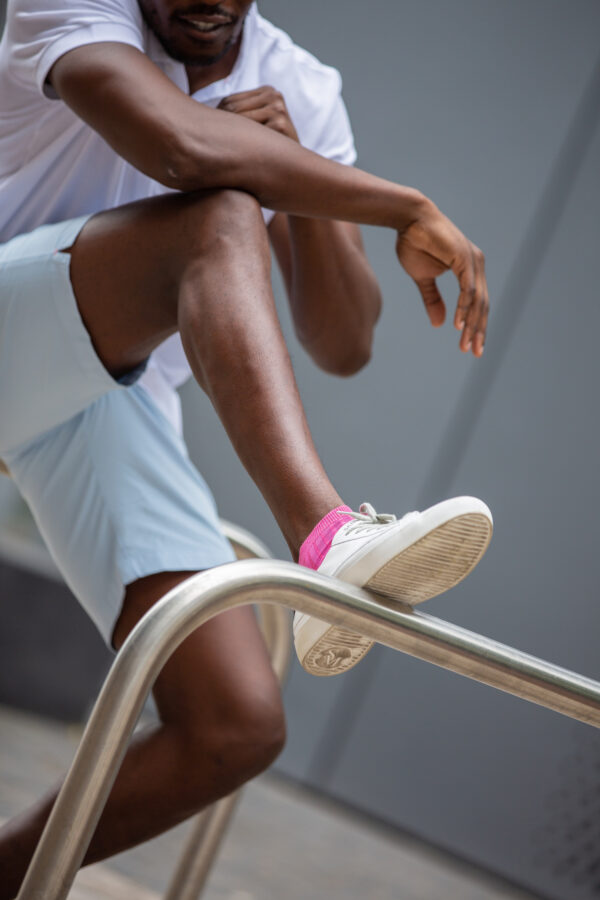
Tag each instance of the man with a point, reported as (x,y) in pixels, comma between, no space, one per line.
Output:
(135,252)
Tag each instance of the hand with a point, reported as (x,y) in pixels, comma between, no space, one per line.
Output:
(431,245)
(264,105)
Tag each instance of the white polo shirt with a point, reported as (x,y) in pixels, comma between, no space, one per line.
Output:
(54,167)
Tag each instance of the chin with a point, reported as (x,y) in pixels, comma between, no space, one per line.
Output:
(205,56)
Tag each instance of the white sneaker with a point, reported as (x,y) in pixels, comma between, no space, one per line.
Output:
(410,559)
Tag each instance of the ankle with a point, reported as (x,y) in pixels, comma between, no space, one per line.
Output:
(297,530)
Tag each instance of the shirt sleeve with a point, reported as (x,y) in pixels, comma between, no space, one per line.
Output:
(320,116)
(39,34)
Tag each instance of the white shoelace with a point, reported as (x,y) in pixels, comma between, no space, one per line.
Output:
(368,516)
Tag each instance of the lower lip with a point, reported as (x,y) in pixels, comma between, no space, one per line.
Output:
(203,35)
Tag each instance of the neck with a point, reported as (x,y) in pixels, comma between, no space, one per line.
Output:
(201,76)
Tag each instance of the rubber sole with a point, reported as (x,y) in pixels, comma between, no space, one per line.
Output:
(431,565)
(325,649)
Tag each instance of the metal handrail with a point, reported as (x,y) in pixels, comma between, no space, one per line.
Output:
(87,785)
(201,850)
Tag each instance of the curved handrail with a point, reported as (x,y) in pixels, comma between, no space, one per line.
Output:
(193,602)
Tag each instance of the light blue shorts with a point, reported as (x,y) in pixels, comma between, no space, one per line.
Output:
(106,476)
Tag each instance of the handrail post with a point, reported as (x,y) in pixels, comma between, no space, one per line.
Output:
(201,849)
(210,826)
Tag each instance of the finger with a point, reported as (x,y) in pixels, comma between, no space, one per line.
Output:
(241,108)
(280,122)
(230,104)
(464,270)
(480,334)
(272,119)
(265,115)
(261,115)
(434,304)
(264,96)
(481,330)
(243,96)
(475,314)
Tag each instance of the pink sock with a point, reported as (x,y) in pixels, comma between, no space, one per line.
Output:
(316,545)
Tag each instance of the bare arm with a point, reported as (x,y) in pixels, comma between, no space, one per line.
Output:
(187,146)
(334,295)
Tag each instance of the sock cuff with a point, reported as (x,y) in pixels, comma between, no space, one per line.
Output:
(332,518)
(318,541)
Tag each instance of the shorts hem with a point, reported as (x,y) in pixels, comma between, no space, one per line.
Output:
(146,562)
(69,233)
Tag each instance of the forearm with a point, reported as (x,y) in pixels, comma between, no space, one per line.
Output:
(232,152)
(334,295)
(188,146)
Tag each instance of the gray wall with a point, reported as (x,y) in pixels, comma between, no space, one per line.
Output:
(491,108)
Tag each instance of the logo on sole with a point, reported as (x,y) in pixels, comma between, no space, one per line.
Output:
(333,658)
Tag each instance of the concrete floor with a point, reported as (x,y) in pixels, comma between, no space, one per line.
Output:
(283,845)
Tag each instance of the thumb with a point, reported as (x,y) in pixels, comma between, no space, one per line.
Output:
(435,306)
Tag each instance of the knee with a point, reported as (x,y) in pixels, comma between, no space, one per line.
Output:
(244,742)
(254,739)
(253,735)
(227,219)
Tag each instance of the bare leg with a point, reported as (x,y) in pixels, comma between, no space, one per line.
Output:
(201,264)
(221,723)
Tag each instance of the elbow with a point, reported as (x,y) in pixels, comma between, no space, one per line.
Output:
(355,351)
(345,360)
(186,165)
(179,173)
(352,365)
(172,175)
(349,349)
